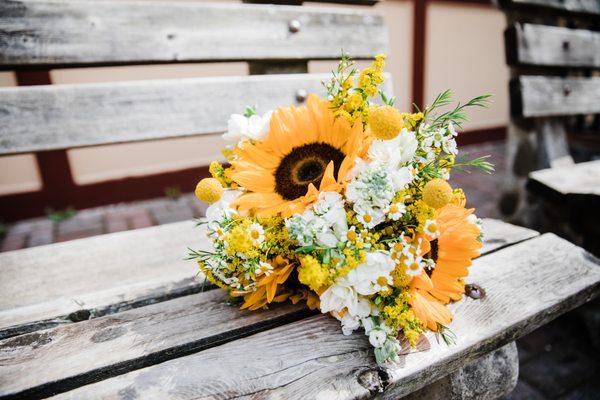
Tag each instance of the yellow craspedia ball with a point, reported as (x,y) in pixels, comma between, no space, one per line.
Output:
(209,190)
(385,122)
(437,193)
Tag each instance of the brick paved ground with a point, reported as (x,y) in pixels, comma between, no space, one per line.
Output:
(557,361)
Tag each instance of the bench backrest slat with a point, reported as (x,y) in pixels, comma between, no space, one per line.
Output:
(75,33)
(551,46)
(565,6)
(66,116)
(544,96)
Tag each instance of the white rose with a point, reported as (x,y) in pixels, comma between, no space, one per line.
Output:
(240,127)
(377,337)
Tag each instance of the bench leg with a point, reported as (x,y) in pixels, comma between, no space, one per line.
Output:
(489,377)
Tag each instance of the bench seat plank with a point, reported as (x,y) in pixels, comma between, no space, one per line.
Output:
(99,275)
(73,355)
(527,285)
(106,274)
(73,33)
(577,179)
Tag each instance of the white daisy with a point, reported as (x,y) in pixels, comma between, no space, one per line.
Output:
(257,234)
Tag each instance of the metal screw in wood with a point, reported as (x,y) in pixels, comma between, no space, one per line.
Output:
(301,95)
(294,26)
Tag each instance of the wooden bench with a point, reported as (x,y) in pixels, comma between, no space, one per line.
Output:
(125,316)
(553,50)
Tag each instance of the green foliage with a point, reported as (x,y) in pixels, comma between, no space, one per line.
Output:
(456,115)
(60,215)
(479,163)
(446,334)
(249,111)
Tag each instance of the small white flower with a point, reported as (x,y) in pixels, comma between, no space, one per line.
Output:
(396,210)
(240,127)
(370,218)
(373,275)
(377,337)
(257,234)
(264,268)
(430,228)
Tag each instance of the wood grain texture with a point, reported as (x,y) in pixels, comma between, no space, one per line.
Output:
(498,235)
(146,335)
(72,281)
(65,116)
(71,356)
(71,32)
(527,285)
(566,6)
(541,45)
(582,178)
(542,96)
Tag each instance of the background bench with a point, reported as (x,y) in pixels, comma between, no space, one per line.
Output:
(553,49)
(124,316)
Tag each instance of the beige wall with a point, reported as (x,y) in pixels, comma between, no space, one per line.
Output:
(464,51)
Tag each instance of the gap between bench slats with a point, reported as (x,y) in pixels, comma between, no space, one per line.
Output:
(70,356)
(527,285)
(58,284)
(74,33)
(543,96)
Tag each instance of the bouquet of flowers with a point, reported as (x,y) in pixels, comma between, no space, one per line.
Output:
(344,204)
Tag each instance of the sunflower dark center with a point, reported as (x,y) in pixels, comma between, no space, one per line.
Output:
(305,165)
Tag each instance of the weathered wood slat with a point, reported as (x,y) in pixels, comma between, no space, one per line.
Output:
(541,45)
(66,116)
(543,96)
(498,235)
(578,179)
(52,285)
(150,334)
(51,117)
(577,6)
(71,356)
(527,285)
(67,32)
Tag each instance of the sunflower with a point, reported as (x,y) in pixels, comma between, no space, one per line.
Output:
(306,148)
(269,288)
(453,252)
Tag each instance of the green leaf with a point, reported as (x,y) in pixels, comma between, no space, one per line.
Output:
(250,111)
(327,256)
(305,249)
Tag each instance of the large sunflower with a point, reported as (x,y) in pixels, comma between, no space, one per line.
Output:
(306,148)
(453,252)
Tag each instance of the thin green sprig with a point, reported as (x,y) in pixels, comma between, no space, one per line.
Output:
(479,163)
(457,115)
(446,334)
